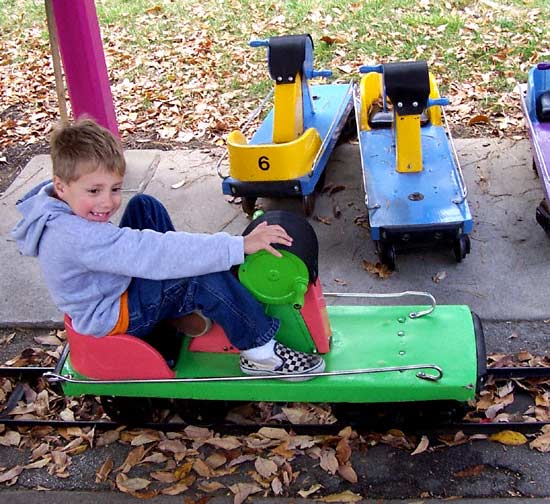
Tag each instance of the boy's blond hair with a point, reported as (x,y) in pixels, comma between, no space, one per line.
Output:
(83,147)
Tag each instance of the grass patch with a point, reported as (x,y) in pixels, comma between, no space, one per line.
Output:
(174,49)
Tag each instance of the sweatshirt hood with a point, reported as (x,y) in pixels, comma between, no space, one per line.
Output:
(38,207)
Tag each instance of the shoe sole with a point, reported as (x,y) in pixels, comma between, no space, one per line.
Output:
(287,376)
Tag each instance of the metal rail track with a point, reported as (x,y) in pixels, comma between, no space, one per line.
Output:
(347,416)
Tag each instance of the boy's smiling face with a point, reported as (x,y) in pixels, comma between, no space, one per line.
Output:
(94,196)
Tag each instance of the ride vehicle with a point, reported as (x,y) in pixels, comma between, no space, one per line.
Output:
(374,354)
(287,155)
(535,104)
(415,190)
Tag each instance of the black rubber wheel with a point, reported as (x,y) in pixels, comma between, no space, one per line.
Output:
(128,410)
(542,216)
(203,412)
(249,205)
(461,247)
(349,130)
(321,182)
(308,204)
(388,256)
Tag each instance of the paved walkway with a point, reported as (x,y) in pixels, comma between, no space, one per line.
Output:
(506,276)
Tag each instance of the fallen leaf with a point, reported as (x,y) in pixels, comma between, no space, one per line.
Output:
(39,463)
(194,432)
(311,490)
(477,119)
(174,446)
(48,340)
(348,473)
(10,438)
(134,457)
(343,451)
(201,468)
(164,476)
(277,486)
(103,472)
(130,485)
(210,486)
(524,356)
(541,443)
(215,460)
(379,269)
(226,443)
(241,459)
(265,467)
(328,461)
(325,220)
(179,184)
(470,471)
(346,496)
(422,446)
(440,275)
(157,9)
(176,489)
(145,438)
(243,490)
(332,40)
(10,477)
(508,437)
(155,458)
(273,433)
(108,437)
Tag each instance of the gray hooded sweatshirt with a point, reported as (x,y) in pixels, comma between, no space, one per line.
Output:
(88,265)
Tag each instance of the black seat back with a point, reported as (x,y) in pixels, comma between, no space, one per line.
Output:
(407,84)
(286,57)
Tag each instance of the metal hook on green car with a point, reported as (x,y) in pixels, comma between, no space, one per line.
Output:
(413,315)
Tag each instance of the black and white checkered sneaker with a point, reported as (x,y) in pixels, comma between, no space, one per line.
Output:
(285,362)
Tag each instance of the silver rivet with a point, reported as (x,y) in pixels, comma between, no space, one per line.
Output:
(401,352)
(400,333)
(279,78)
(415,104)
(401,320)
(400,104)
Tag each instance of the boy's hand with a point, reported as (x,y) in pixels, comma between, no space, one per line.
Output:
(263,235)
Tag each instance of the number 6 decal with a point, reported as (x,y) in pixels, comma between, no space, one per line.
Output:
(263,163)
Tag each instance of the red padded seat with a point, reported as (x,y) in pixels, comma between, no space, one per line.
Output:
(114,357)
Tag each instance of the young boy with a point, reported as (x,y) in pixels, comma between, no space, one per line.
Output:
(128,279)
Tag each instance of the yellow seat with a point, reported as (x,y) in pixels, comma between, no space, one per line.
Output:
(272,162)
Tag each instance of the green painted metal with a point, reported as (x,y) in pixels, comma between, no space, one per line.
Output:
(293,330)
(275,280)
(363,337)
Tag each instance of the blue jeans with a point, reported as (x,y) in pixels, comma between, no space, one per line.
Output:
(219,296)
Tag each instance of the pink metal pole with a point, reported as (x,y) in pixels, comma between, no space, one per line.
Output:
(84,61)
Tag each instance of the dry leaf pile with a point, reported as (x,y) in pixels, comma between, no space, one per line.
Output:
(180,73)
(270,461)
(494,401)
